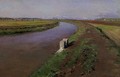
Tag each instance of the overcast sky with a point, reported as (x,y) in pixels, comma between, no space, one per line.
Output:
(83,9)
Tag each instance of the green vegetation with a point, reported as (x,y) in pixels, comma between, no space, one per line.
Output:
(52,66)
(80,31)
(90,55)
(83,50)
(13,27)
(85,54)
(24,23)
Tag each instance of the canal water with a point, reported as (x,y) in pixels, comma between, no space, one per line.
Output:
(22,54)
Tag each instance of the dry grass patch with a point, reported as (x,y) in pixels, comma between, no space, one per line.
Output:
(113,32)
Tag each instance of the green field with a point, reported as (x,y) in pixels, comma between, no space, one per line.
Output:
(22,26)
(12,23)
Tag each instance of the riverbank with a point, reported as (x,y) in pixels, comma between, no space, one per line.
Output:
(82,54)
(90,55)
(22,54)
(104,61)
(18,26)
(53,66)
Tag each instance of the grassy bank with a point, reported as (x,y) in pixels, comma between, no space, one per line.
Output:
(85,54)
(80,31)
(52,67)
(112,34)
(13,27)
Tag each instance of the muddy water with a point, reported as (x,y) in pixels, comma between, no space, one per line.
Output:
(20,55)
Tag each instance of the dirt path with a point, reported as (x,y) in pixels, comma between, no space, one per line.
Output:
(106,65)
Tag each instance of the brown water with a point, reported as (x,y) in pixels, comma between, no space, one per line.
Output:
(20,55)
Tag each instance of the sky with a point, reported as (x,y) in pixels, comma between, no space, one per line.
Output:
(76,9)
